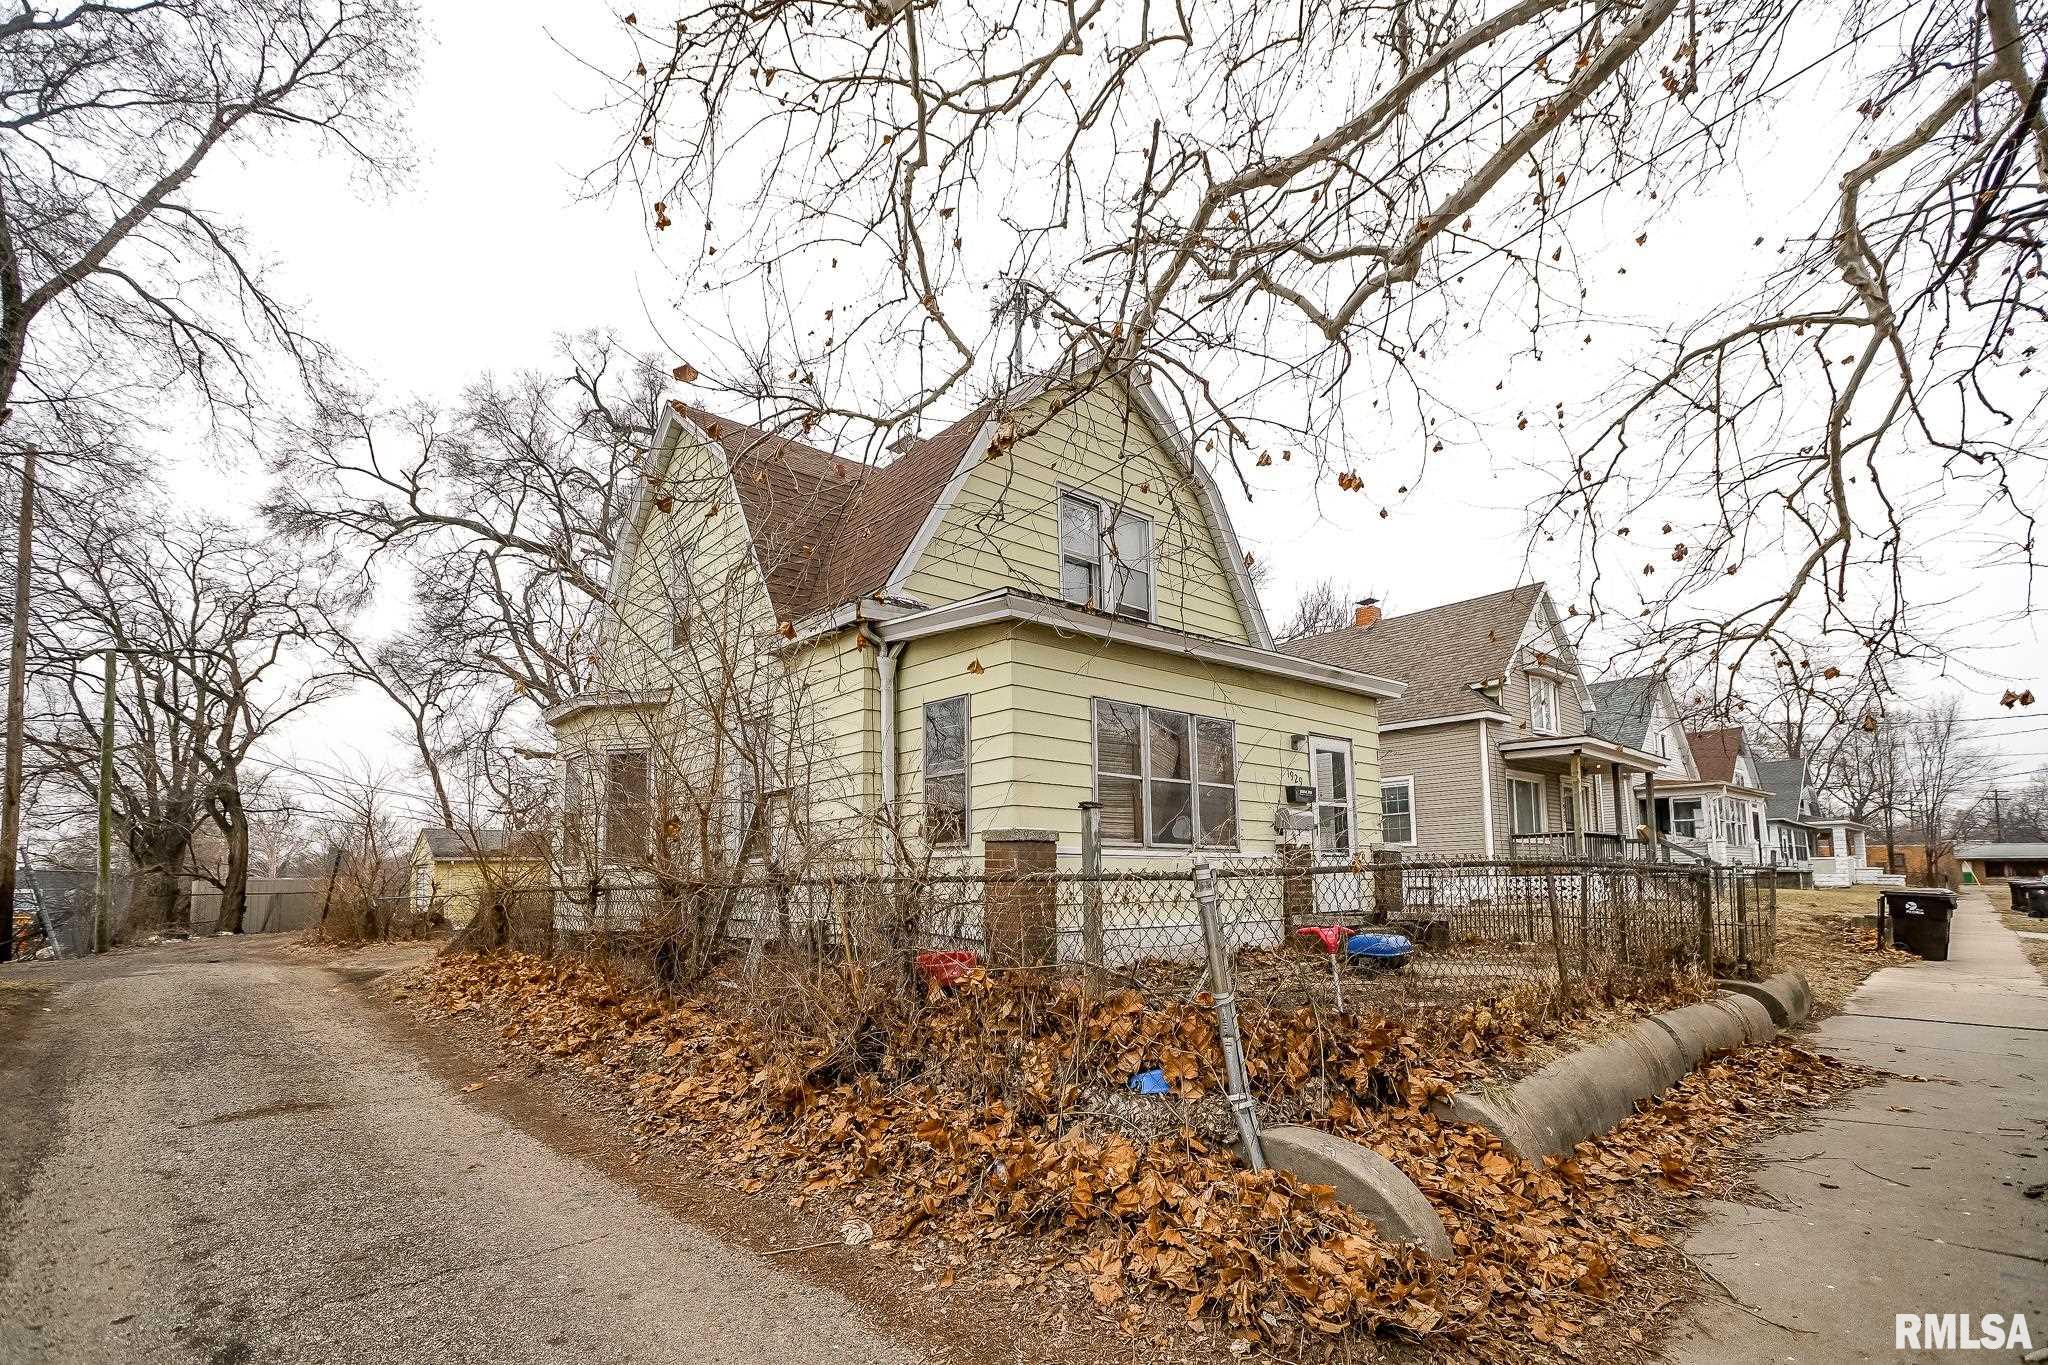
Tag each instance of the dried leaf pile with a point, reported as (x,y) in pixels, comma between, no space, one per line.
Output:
(988,1113)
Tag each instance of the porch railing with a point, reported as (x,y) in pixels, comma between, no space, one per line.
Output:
(1600,847)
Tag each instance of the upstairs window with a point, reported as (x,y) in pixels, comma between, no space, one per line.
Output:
(1080,551)
(681,601)
(945,773)
(1105,558)
(1542,704)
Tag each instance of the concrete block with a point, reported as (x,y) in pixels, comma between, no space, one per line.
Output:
(1496,1111)
(1665,1058)
(1784,995)
(1757,1024)
(1363,1179)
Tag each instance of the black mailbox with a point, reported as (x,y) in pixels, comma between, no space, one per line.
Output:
(1300,794)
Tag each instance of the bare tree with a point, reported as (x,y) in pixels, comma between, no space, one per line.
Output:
(1938,765)
(1321,606)
(115,282)
(1295,222)
(209,629)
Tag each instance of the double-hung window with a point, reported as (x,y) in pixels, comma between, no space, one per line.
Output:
(1542,704)
(1397,811)
(1166,779)
(1525,806)
(945,773)
(1105,558)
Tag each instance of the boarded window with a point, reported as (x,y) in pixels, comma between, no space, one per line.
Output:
(626,791)
(945,772)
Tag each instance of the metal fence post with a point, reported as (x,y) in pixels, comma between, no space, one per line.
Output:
(1095,978)
(1705,894)
(1240,1091)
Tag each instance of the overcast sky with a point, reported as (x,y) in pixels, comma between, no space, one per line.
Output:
(488,253)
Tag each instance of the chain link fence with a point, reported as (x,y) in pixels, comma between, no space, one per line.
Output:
(1469,931)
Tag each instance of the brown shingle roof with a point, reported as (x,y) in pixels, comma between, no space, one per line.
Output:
(1714,751)
(1441,653)
(828,529)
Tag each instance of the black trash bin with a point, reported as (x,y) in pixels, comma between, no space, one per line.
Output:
(2035,902)
(1919,917)
(2018,886)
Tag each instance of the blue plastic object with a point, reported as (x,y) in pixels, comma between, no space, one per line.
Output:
(1151,1082)
(1379,950)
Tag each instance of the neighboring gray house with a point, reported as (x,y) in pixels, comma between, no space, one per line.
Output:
(1478,759)
(1788,838)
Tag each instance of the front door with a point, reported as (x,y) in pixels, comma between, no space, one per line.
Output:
(1337,894)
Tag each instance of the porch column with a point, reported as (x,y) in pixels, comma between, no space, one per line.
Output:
(1650,811)
(1614,775)
(1578,800)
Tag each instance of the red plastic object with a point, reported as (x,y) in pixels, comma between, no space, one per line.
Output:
(1330,935)
(946,968)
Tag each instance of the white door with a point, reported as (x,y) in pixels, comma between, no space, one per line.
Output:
(1338,895)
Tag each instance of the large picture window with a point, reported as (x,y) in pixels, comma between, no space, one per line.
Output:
(1166,779)
(1105,558)
(1397,811)
(945,772)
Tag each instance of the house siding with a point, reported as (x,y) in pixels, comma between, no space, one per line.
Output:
(1031,730)
(1002,530)
(1444,760)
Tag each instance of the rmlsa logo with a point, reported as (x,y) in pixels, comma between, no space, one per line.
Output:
(1961,1332)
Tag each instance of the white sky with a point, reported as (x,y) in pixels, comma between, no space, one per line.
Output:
(487,254)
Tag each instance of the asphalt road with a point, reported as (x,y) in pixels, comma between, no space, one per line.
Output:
(215,1152)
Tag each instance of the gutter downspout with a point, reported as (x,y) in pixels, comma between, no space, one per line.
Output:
(1485,792)
(886,658)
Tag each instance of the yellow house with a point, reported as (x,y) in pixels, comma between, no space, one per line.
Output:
(817,664)
(452,870)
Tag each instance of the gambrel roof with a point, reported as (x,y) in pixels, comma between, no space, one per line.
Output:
(1444,654)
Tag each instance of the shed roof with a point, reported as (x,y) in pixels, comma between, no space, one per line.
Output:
(1442,653)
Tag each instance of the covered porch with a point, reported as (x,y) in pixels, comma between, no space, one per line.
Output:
(1718,821)
(1569,796)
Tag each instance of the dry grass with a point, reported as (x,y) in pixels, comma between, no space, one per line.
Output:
(1817,935)
(2036,949)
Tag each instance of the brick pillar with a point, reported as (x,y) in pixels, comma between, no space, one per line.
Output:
(1020,903)
(1297,891)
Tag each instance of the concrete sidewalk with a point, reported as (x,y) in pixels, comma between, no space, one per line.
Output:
(1909,1198)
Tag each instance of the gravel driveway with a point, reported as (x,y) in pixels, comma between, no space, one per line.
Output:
(213,1152)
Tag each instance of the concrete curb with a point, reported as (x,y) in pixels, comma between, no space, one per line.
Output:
(1590,1091)
(1784,995)
(1363,1179)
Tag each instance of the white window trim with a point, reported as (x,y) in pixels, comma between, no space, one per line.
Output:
(966,838)
(1414,831)
(1542,806)
(1555,726)
(1107,514)
(1144,775)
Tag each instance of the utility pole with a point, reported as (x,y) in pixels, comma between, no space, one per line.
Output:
(103,889)
(1997,818)
(17,703)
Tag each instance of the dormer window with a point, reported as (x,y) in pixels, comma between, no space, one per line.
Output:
(1542,704)
(1105,558)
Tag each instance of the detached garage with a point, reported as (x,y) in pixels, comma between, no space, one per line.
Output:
(1999,861)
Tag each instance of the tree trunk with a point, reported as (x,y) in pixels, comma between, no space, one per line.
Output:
(17,701)
(234,892)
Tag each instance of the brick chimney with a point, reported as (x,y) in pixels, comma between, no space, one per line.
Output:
(1365,613)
